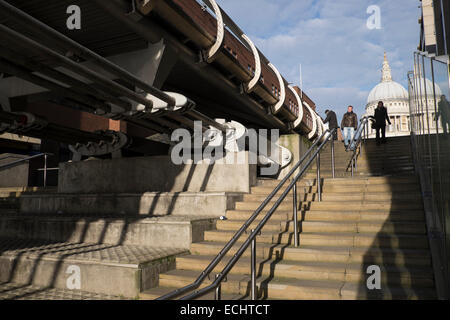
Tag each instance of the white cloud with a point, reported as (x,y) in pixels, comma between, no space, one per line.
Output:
(341,59)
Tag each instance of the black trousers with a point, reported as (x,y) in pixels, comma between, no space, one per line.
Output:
(445,124)
(335,135)
(383,133)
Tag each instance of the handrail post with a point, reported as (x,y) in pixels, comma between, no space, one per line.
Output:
(253,268)
(333,163)
(295,215)
(364,132)
(353,161)
(319,187)
(218,292)
(45,170)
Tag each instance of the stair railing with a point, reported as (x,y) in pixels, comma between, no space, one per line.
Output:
(251,240)
(355,145)
(22,160)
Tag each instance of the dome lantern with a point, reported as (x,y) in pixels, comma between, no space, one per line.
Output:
(386,71)
(387,89)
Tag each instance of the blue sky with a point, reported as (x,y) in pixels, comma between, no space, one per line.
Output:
(341,58)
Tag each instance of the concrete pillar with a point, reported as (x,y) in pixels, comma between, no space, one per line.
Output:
(298,145)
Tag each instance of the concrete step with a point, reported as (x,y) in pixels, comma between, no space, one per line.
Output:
(398,257)
(375,151)
(365,205)
(337,205)
(176,232)
(371,155)
(17,291)
(106,269)
(344,188)
(8,203)
(18,191)
(292,289)
(336,215)
(155,293)
(370,169)
(405,277)
(207,204)
(341,196)
(368,157)
(330,226)
(379,240)
(360,181)
(364,162)
(344,173)
(352,291)
(372,188)
(382,168)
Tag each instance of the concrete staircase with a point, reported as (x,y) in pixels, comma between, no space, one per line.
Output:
(375,218)
(116,256)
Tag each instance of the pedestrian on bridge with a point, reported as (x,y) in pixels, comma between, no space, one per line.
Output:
(331,119)
(380,117)
(349,124)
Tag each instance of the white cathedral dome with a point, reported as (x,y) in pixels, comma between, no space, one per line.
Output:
(387,89)
(428,87)
(396,101)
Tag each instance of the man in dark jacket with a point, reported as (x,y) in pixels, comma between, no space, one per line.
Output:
(444,113)
(331,119)
(349,124)
(381,116)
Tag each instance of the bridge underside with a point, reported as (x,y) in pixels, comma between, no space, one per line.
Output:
(82,83)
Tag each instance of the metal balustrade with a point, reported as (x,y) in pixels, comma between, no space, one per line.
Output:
(303,165)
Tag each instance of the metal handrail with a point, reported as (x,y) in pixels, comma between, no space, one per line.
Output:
(216,285)
(13,163)
(8,157)
(17,162)
(360,136)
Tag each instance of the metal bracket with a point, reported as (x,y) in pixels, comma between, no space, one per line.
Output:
(31,122)
(277,107)
(134,14)
(211,53)
(225,279)
(313,116)
(299,119)
(251,85)
(119,141)
(160,107)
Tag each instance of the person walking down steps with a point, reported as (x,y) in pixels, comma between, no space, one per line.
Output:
(349,124)
(444,114)
(380,117)
(331,119)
